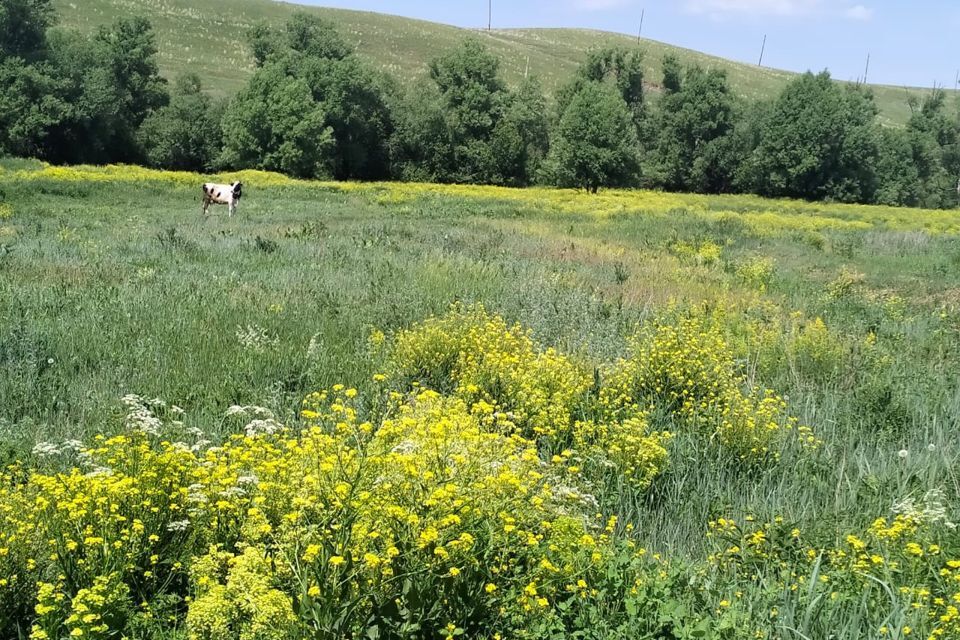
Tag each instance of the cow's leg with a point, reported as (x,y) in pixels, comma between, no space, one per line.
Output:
(233,207)
(206,205)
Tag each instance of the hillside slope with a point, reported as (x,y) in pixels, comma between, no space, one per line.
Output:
(207,36)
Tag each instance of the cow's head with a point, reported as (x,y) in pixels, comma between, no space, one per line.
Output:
(237,190)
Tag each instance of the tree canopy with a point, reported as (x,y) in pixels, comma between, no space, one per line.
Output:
(313,108)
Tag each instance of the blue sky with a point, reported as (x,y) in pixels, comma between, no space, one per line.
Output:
(910,42)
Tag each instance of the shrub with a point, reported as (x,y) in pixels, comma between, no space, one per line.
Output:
(513,386)
(816,352)
(495,368)
(687,370)
(236,597)
(898,577)
(756,273)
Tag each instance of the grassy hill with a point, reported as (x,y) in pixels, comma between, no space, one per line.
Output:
(207,36)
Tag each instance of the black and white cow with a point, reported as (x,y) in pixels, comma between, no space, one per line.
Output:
(228,194)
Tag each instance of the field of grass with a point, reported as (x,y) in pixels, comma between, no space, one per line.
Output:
(111,283)
(206,36)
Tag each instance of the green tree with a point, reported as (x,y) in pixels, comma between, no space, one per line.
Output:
(129,52)
(355,100)
(474,100)
(693,118)
(818,141)
(303,33)
(521,139)
(23,27)
(421,148)
(275,124)
(898,179)
(184,135)
(308,69)
(934,138)
(29,108)
(111,83)
(672,74)
(595,142)
(468,127)
(315,37)
(618,66)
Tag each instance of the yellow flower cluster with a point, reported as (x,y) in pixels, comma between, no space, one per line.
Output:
(756,272)
(514,387)
(95,612)
(338,518)
(760,216)
(686,368)
(237,596)
(495,368)
(706,253)
(908,564)
(467,497)
(123,174)
(815,351)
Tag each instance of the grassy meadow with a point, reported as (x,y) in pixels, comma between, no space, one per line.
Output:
(112,283)
(203,36)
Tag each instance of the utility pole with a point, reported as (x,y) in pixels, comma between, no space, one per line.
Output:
(640,33)
(763,48)
(956,83)
(489,14)
(866,72)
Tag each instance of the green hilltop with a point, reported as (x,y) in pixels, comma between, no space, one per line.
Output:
(208,36)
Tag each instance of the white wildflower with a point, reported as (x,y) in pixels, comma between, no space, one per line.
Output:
(316,344)
(178,525)
(255,338)
(574,494)
(72,445)
(139,415)
(44,449)
(266,427)
(195,494)
(405,447)
(931,510)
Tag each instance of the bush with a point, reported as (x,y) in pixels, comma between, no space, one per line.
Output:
(816,353)
(468,499)
(687,370)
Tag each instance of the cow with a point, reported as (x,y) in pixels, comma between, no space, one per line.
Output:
(228,194)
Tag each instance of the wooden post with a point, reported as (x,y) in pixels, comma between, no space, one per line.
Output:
(489,14)
(763,48)
(867,70)
(640,32)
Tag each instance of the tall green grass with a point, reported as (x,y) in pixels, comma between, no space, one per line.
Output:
(111,289)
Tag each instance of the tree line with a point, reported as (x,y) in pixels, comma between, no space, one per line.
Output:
(314,109)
